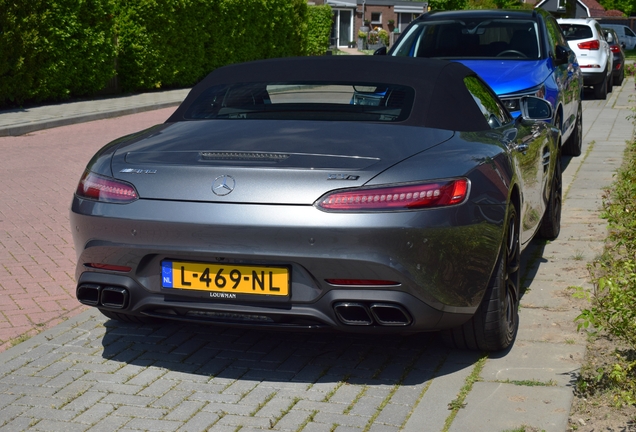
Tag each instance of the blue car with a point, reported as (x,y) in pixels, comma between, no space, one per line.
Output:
(518,53)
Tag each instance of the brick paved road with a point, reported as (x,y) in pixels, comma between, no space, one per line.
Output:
(38,173)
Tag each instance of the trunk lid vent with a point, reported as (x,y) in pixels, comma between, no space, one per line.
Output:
(243,156)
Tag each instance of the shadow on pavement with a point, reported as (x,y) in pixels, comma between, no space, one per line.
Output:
(282,356)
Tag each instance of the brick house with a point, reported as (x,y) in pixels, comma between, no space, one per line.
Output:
(587,8)
(390,15)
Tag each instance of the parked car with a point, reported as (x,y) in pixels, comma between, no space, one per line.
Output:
(618,66)
(585,37)
(517,53)
(271,198)
(626,35)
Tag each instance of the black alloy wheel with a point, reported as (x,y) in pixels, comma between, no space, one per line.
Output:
(574,143)
(495,324)
(600,89)
(551,222)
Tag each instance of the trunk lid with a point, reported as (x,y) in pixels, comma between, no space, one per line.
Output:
(264,162)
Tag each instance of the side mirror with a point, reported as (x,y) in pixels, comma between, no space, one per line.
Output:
(535,108)
(562,55)
(380,51)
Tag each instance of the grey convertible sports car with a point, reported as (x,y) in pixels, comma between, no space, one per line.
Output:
(365,194)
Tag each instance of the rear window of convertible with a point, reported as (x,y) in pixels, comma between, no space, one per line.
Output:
(329,101)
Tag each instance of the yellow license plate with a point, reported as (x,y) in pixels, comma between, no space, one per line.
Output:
(225,278)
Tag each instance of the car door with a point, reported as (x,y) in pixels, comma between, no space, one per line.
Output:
(529,148)
(566,76)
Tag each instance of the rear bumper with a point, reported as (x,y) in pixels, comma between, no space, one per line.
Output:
(440,262)
(359,311)
(594,78)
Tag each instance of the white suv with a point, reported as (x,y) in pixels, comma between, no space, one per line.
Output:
(585,38)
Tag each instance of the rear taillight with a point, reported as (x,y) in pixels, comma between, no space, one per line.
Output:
(98,188)
(590,45)
(401,197)
(615,49)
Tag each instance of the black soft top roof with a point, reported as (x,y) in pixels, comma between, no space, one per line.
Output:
(441,98)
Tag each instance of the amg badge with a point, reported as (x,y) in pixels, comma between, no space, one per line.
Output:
(342,177)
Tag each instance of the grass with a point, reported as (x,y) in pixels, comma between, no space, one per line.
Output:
(630,55)
(458,403)
(612,307)
(530,383)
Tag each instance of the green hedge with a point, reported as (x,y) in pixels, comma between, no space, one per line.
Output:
(257,29)
(319,29)
(162,43)
(56,49)
(52,49)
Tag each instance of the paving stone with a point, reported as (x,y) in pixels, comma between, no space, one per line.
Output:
(94,414)
(393,414)
(83,401)
(185,410)
(544,408)
(543,362)
(109,424)
(201,422)
(56,426)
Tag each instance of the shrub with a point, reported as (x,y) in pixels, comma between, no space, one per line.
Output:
(246,33)
(56,49)
(319,29)
(162,43)
(613,307)
(52,50)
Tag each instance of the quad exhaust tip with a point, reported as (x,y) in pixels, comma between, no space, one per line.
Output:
(110,297)
(383,314)
(355,314)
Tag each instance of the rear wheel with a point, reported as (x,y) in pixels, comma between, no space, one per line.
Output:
(618,80)
(494,326)
(128,318)
(600,89)
(551,222)
(574,143)
(610,82)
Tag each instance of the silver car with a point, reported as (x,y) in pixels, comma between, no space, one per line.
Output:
(362,194)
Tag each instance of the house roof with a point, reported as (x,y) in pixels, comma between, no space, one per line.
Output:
(614,13)
(592,7)
(595,8)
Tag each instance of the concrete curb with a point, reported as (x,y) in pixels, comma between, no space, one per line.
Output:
(17,130)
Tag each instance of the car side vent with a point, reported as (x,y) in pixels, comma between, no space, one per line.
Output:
(244,156)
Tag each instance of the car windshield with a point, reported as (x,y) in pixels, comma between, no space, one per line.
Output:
(576,31)
(478,39)
(331,101)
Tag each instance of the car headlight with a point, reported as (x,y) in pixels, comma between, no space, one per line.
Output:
(512,101)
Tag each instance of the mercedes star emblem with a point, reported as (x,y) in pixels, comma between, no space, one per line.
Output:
(223,185)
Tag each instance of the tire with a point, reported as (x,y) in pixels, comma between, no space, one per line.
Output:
(618,80)
(610,82)
(574,143)
(128,318)
(600,89)
(495,324)
(551,222)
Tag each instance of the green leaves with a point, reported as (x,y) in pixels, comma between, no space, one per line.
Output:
(613,301)
(319,29)
(52,50)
